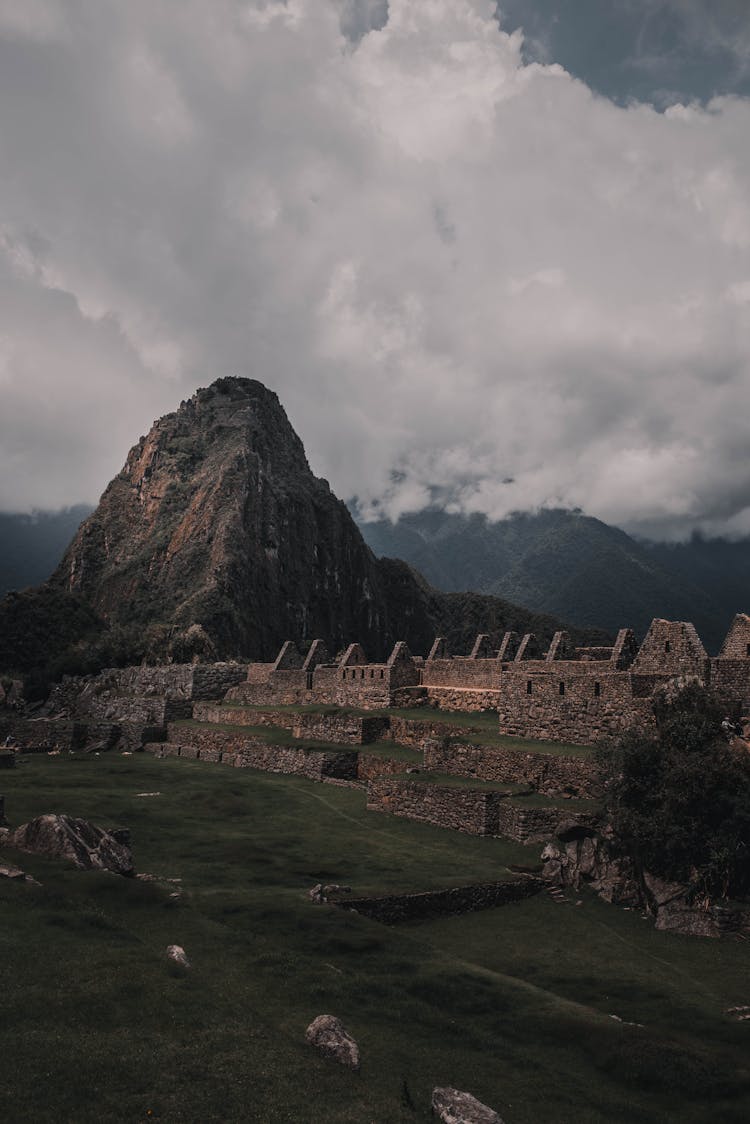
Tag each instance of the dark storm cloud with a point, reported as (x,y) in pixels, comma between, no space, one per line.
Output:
(455,268)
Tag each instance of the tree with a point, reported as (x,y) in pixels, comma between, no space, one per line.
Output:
(679,797)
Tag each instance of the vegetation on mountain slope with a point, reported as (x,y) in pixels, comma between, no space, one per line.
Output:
(575,567)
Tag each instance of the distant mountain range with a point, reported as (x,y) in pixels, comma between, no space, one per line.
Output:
(571,565)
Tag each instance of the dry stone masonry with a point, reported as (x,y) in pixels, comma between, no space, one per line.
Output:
(579,695)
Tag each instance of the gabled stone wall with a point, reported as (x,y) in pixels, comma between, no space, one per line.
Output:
(736,645)
(672,648)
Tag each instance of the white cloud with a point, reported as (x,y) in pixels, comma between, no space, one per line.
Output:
(39,20)
(453,268)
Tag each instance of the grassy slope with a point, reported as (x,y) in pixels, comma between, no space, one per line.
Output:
(512,1004)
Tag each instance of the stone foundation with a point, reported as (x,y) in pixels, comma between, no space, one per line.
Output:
(472,811)
(252,753)
(547,773)
(437,903)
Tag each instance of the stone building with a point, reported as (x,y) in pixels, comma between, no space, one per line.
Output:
(563,694)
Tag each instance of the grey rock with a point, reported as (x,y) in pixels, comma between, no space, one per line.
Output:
(321,893)
(328,1035)
(454,1107)
(176,953)
(674,912)
(82,843)
(589,859)
(15,874)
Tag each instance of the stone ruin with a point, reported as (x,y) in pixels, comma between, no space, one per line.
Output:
(573,694)
(581,695)
(568,694)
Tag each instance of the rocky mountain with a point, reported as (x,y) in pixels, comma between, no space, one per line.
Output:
(216,540)
(574,566)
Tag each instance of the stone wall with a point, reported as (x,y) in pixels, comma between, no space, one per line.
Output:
(672,648)
(473,811)
(153,710)
(372,765)
(252,753)
(345,729)
(242,716)
(258,672)
(40,735)
(213,680)
(366,687)
(356,684)
(731,677)
(412,732)
(462,672)
(564,705)
(736,644)
(470,810)
(527,824)
(436,903)
(146,695)
(191,681)
(177,749)
(547,773)
(463,698)
(266,693)
(338,727)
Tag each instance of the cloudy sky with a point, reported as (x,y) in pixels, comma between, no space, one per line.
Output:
(495,253)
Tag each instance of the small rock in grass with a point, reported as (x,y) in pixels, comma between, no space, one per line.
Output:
(454,1107)
(321,893)
(176,953)
(328,1035)
(15,874)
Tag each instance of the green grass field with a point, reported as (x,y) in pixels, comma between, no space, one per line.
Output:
(514,1004)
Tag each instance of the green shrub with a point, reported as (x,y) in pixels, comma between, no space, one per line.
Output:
(679,799)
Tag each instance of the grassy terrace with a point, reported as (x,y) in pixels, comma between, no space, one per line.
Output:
(277,735)
(519,792)
(514,1004)
(480,725)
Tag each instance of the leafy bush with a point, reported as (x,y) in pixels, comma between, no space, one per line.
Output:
(679,798)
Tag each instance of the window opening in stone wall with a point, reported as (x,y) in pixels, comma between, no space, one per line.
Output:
(362,675)
(528,686)
(343,675)
(666,645)
(747,653)
(372,674)
(597,690)
(382,673)
(562,688)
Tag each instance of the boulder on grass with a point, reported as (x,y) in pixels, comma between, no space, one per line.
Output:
(321,893)
(82,843)
(328,1035)
(15,874)
(176,953)
(454,1107)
